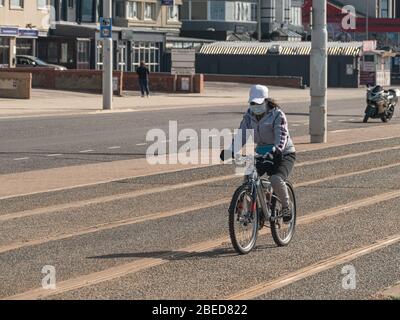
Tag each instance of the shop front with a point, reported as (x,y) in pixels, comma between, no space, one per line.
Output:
(8,36)
(16,41)
(80,47)
(27,41)
(132,47)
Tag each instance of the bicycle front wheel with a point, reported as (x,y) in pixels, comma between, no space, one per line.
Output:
(243,221)
(282,232)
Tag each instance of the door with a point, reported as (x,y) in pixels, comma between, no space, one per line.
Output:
(83,54)
(122,56)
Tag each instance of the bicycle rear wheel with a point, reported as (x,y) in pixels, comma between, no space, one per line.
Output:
(243,221)
(282,232)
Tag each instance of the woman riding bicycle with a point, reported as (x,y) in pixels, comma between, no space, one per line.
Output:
(271,134)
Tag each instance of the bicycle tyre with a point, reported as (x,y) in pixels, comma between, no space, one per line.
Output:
(275,226)
(242,190)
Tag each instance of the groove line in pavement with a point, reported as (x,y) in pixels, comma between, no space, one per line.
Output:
(159,215)
(111,225)
(318,148)
(78,204)
(145,263)
(127,195)
(266,287)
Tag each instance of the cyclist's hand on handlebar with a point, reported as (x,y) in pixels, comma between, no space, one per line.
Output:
(226,155)
(278,156)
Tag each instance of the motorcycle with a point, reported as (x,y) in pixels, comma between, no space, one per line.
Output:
(381,103)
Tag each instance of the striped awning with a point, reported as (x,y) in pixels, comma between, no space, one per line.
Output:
(279,48)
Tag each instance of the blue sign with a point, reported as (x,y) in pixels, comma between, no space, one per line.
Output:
(8,31)
(105,28)
(28,33)
(167,2)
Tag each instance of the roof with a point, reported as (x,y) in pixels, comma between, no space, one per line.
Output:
(279,47)
(285,33)
(187,39)
(238,37)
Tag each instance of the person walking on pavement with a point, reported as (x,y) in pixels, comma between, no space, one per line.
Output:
(143,73)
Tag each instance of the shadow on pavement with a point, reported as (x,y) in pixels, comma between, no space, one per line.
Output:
(180,255)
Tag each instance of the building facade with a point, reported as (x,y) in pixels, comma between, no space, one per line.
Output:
(238,20)
(219,20)
(382,24)
(285,58)
(281,14)
(66,32)
(140,32)
(21,23)
(376,8)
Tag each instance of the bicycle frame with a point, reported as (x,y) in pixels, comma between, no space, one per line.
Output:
(258,193)
(263,207)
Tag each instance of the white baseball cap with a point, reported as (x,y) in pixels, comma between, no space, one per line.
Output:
(258,93)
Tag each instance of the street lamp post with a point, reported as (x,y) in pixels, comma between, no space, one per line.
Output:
(319,74)
(107,60)
(259,20)
(367,22)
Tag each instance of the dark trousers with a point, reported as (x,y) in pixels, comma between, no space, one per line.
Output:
(278,173)
(144,86)
(281,168)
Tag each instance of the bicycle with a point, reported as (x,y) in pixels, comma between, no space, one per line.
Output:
(254,204)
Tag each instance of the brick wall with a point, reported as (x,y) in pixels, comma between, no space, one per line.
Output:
(70,80)
(162,82)
(15,85)
(91,80)
(279,81)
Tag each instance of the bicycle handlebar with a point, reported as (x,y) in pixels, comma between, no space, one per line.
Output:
(268,157)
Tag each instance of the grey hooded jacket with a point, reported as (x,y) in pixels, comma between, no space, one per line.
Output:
(272,129)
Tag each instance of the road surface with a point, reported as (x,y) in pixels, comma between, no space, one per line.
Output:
(165,236)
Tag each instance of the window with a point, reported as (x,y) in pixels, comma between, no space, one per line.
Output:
(120,9)
(149,52)
(149,11)
(4,52)
(185,10)
(384,8)
(243,11)
(88,11)
(83,55)
(52,52)
(254,12)
(70,4)
(42,4)
(99,55)
(173,13)
(369,58)
(22,61)
(296,18)
(16,4)
(132,9)
(24,46)
(199,10)
(217,10)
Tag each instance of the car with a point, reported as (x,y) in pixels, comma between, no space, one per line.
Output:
(25,61)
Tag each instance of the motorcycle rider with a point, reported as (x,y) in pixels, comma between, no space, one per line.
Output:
(270,127)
